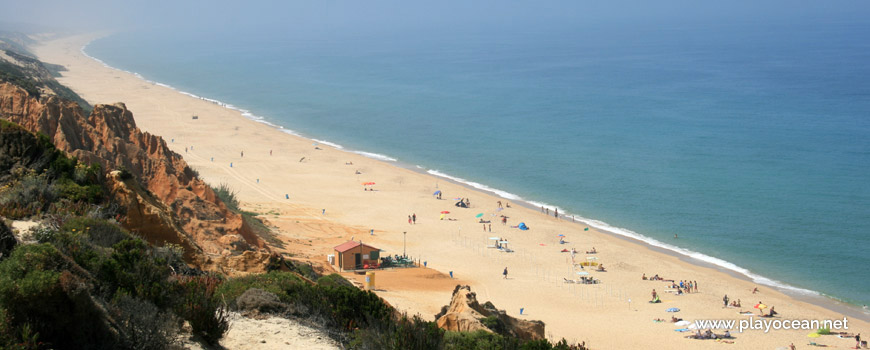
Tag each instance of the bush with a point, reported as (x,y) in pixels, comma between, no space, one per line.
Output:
(141,325)
(402,333)
(333,280)
(98,232)
(29,196)
(202,307)
(228,196)
(256,299)
(275,282)
(7,240)
(42,297)
(134,269)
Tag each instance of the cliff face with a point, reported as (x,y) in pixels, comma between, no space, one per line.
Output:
(177,207)
(465,314)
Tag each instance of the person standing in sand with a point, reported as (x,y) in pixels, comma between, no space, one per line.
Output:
(725,300)
(414,218)
(857,338)
(556,215)
(409,219)
(490,227)
(505,272)
(654,294)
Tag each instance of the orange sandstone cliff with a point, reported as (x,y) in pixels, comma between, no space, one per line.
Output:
(165,201)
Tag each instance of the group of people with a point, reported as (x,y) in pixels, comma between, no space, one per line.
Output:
(709,335)
(412,219)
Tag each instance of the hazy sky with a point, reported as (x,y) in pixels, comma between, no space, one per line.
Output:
(404,14)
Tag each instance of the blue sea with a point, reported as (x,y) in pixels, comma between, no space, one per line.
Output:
(751,141)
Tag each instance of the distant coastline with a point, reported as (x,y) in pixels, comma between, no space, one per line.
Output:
(699,259)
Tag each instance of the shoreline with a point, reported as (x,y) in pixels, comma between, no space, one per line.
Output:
(529,205)
(689,256)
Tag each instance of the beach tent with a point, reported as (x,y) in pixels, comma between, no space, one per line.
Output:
(522,226)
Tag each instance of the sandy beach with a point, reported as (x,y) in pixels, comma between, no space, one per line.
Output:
(312,193)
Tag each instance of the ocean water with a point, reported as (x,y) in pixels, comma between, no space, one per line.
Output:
(751,141)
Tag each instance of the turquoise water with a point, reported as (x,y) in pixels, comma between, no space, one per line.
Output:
(750,141)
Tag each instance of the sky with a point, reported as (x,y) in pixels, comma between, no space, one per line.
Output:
(386,15)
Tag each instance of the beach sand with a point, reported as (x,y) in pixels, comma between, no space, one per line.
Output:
(598,314)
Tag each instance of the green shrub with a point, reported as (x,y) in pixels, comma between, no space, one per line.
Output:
(402,333)
(202,307)
(478,340)
(134,269)
(42,297)
(98,232)
(228,196)
(256,299)
(30,195)
(69,189)
(275,282)
(143,326)
(333,280)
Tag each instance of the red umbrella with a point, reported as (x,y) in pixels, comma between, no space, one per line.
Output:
(368,183)
(445,212)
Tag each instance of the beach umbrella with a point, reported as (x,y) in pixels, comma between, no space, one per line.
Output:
(494,238)
(591,258)
(813,335)
(368,183)
(561,235)
(673,309)
(437,193)
(760,306)
(682,323)
(583,273)
(478,215)
(445,212)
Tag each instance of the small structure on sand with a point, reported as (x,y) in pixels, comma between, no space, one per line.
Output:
(353,255)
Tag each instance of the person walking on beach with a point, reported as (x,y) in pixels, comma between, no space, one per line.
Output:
(548,211)
(484,227)
(243,154)
(414,218)
(270,152)
(725,300)
(505,272)
(499,204)
(409,219)
(654,295)
(323,211)
(857,337)
(504,220)
(542,208)
(695,283)
(556,215)
(490,227)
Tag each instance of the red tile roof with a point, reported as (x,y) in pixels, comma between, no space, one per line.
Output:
(341,248)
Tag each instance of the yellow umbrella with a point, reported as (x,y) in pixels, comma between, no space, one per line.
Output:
(813,335)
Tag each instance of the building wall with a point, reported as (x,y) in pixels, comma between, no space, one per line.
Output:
(347,260)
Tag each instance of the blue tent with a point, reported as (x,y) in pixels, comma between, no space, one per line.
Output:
(436,193)
(523,226)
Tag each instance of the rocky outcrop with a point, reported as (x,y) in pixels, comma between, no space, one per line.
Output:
(166,202)
(466,314)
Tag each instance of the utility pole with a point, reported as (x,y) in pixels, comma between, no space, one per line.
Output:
(404,245)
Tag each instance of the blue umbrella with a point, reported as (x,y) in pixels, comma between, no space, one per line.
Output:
(436,193)
(673,309)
